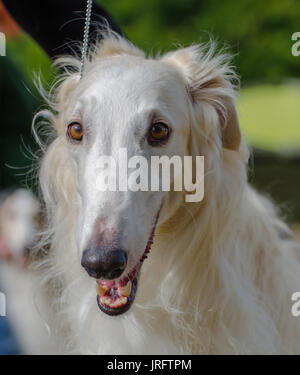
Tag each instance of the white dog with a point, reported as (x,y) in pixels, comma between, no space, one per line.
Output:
(19,211)
(220,273)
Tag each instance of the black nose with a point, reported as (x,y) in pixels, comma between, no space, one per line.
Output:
(103,263)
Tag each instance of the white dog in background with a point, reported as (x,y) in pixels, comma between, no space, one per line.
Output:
(18,223)
(220,273)
(19,211)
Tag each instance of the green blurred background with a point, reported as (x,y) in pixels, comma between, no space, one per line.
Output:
(258,33)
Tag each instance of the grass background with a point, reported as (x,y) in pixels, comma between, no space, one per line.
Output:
(270,116)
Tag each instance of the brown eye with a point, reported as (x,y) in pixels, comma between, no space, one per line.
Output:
(75,131)
(158,132)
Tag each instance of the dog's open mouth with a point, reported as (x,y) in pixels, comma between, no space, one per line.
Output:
(115,297)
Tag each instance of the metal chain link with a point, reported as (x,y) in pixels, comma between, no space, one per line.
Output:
(86,34)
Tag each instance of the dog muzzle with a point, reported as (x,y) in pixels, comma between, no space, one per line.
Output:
(115,297)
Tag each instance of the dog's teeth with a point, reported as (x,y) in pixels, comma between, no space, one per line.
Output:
(119,302)
(126,290)
(101,289)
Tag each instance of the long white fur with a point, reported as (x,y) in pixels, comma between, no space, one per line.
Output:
(219,277)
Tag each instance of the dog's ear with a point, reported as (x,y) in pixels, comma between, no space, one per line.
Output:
(210,80)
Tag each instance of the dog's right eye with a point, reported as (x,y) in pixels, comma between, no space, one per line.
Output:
(158,133)
(75,132)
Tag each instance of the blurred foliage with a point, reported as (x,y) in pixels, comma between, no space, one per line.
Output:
(258,32)
(29,58)
(17,107)
(270,115)
(278,176)
(19,100)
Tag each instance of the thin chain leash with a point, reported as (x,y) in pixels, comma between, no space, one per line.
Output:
(86,35)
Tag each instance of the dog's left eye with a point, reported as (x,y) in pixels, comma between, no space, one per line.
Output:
(75,131)
(158,132)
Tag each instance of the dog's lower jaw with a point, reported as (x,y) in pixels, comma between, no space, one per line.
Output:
(114,301)
(115,297)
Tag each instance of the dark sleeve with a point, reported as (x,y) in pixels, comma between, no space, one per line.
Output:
(54,23)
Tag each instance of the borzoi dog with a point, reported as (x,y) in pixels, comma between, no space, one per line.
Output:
(220,273)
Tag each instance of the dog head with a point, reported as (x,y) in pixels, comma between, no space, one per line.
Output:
(178,105)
